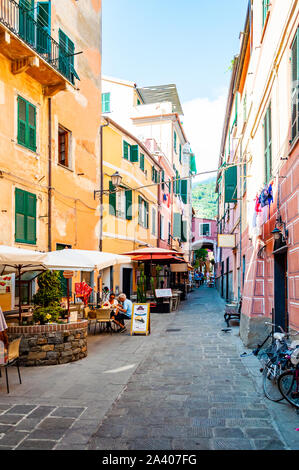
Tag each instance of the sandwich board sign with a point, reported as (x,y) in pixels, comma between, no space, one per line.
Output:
(140,321)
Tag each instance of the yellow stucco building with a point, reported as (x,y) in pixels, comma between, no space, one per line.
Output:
(130,213)
(50,111)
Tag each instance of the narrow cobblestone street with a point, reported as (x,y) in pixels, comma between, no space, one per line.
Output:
(184,387)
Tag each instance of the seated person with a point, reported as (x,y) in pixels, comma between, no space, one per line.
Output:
(123,312)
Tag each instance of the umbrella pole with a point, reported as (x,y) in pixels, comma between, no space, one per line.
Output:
(68,298)
(20,295)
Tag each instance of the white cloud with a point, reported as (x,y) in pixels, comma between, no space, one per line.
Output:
(203,122)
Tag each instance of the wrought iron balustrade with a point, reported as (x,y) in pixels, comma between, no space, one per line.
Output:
(21,22)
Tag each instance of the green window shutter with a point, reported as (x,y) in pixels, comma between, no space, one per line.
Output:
(31,218)
(139,210)
(184,191)
(25,217)
(112,199)
(177,225)
(20,215)
(163,180)
(31,127)
(105,102)
(178,183)
(43,19)
(180,153)
(126,150)
(295,88)
(129,205)
(141,163)
(184,235)
(230,184)
(174,140)
(268,145)
(66,57)
(134,153)
(22,121)
(266,4)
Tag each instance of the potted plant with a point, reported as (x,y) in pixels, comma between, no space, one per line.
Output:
(47,299)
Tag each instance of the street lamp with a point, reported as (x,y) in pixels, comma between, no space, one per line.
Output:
(276,233)
(116,180)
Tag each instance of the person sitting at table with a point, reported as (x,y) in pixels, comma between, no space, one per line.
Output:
(123,312)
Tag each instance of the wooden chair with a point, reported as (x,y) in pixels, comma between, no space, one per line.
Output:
(89,315)
(233,311)
(13,359)
(103,317)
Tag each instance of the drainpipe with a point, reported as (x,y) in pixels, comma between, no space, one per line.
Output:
(241,204)
(49,174)
(101,186)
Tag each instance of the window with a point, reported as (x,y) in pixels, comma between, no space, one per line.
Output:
(155,175)
(26,21)
(25,217)
(205,229)
(266,5)
(184,191)
(126,150)
(120,202)
(180,153)
(64,137)
(174,141)
(154,221)
(169,233)
(106,103)
(26,124)
(268,145)
(143,207)
(162,237)
(130,152)
(177,225)
(66,57)
(295,87)
(184,235)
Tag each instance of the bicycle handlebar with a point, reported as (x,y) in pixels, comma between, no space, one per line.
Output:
(273,324)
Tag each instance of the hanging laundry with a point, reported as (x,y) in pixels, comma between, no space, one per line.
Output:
(257,205)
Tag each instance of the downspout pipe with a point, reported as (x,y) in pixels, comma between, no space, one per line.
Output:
(101,185)
(49,174)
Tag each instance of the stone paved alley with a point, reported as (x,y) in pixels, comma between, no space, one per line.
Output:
(184,387)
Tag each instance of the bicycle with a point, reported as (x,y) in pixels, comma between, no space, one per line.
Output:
(276,361)
(288,381)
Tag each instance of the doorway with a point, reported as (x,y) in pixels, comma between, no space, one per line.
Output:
(127,281)
(281,317)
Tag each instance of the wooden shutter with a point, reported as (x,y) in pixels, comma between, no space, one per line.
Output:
(177,225)
(112,199)
(230,194)
(129,205)
(180,154)
(295,87)
(20,214)
(174,140)
(134,153)
(184,235)
(44,27)
(268,145)
(126,150)
(106,102)
(146,206)
(31,127)
(25,217)
(184,191)
(139,210)
(31,218)
(142,161)
(22,121)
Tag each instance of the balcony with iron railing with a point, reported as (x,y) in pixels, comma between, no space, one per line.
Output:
(32,50)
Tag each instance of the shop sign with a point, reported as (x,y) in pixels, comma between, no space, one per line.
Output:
(163,293)
(68,274)
(226,241)
(140,321)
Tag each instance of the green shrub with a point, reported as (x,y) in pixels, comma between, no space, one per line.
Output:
(48,297)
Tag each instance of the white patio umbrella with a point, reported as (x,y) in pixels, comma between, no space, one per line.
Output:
(19,260)
(83,260)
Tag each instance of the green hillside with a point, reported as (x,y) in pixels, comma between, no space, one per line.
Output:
(204,199)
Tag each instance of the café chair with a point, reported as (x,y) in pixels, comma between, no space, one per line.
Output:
(12,359)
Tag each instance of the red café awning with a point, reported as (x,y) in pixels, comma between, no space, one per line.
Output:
(158,257)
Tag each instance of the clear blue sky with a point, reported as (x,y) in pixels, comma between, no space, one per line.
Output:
(187,42)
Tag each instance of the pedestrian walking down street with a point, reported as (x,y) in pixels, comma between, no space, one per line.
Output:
(197,278)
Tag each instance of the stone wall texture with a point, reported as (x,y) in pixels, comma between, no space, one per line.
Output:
(46,345)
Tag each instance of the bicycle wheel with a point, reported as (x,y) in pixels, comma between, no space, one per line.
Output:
(270,382)
(289,387)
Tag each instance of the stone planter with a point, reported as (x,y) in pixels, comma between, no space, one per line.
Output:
(51,344)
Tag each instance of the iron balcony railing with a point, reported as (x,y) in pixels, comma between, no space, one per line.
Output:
(21,22)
